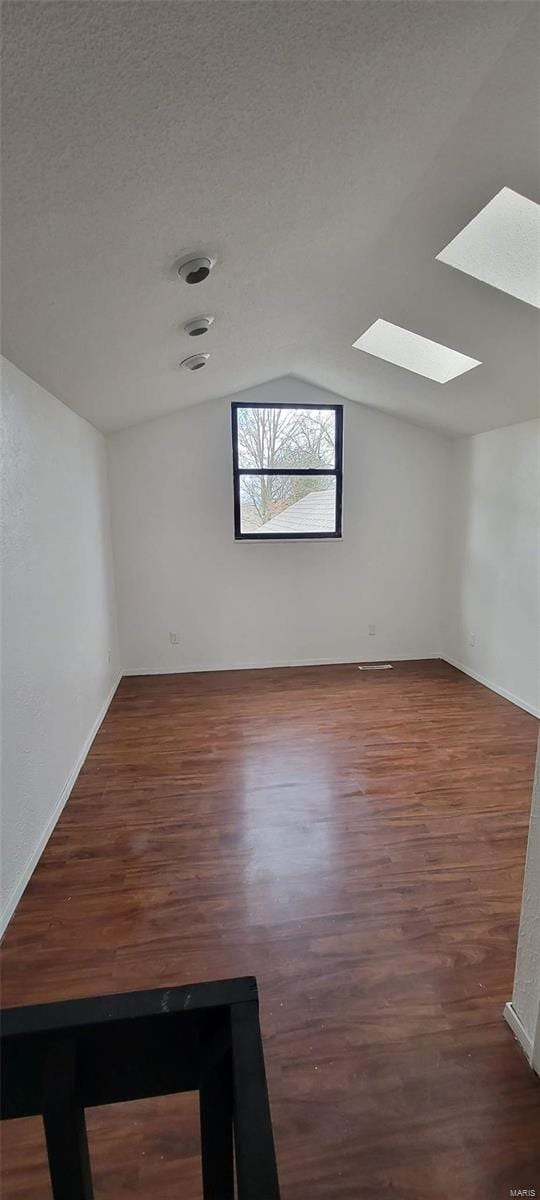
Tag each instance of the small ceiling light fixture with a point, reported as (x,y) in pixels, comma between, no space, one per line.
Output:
(195,269)
(414,352)
(198,326)
(500,246)
(195,362)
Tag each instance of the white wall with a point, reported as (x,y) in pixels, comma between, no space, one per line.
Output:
(58,621)
(179,569)
(492,580)
(523,1014)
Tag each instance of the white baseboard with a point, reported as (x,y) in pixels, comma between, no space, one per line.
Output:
(512,1019)
(493,687)
(195,668)
(32,861)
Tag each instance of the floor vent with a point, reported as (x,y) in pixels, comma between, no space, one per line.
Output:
(376,667)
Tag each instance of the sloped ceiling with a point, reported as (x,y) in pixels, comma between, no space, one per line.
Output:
(324,152)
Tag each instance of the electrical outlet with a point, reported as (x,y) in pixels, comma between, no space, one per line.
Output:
(109,657)
(372,629)
(173,638)
(472,639)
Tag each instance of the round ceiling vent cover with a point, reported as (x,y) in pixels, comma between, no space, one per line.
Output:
(195,362)
(196,269)
(198,326)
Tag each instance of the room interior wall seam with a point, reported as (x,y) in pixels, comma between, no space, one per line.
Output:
(520,1033)
(112,562)
(333,661)
(491,597)
(535,1057)
(522,1012)
(493,687)
(46,833)
(114,556)
(269,666)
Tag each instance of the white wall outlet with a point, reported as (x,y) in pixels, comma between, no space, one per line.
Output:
(109,657)
(173,638)
(472,639)
(372,629)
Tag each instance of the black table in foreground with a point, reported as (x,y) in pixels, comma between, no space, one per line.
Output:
(58,1059)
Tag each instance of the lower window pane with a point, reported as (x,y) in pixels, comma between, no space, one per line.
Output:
(276,504)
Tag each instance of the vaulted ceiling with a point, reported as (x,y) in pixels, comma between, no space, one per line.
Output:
(323,152)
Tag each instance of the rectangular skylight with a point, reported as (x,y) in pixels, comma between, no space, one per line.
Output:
(415,353)
(501,246)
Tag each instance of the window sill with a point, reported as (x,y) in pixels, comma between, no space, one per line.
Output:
(281,541)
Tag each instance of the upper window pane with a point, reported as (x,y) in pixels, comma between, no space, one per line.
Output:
(300,438)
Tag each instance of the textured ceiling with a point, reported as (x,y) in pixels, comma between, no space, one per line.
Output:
(324,152)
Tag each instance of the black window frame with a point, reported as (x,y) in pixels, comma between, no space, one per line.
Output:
(336,471)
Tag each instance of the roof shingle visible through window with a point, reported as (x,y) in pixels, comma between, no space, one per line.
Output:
(315,513)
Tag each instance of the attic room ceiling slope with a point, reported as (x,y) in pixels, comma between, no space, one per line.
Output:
(325,153)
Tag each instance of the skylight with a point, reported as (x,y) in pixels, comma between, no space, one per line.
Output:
(501,246)
(413,352)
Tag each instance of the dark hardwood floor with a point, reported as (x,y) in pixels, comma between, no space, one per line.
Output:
(357,842)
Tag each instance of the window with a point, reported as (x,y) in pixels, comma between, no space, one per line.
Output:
(287,465)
